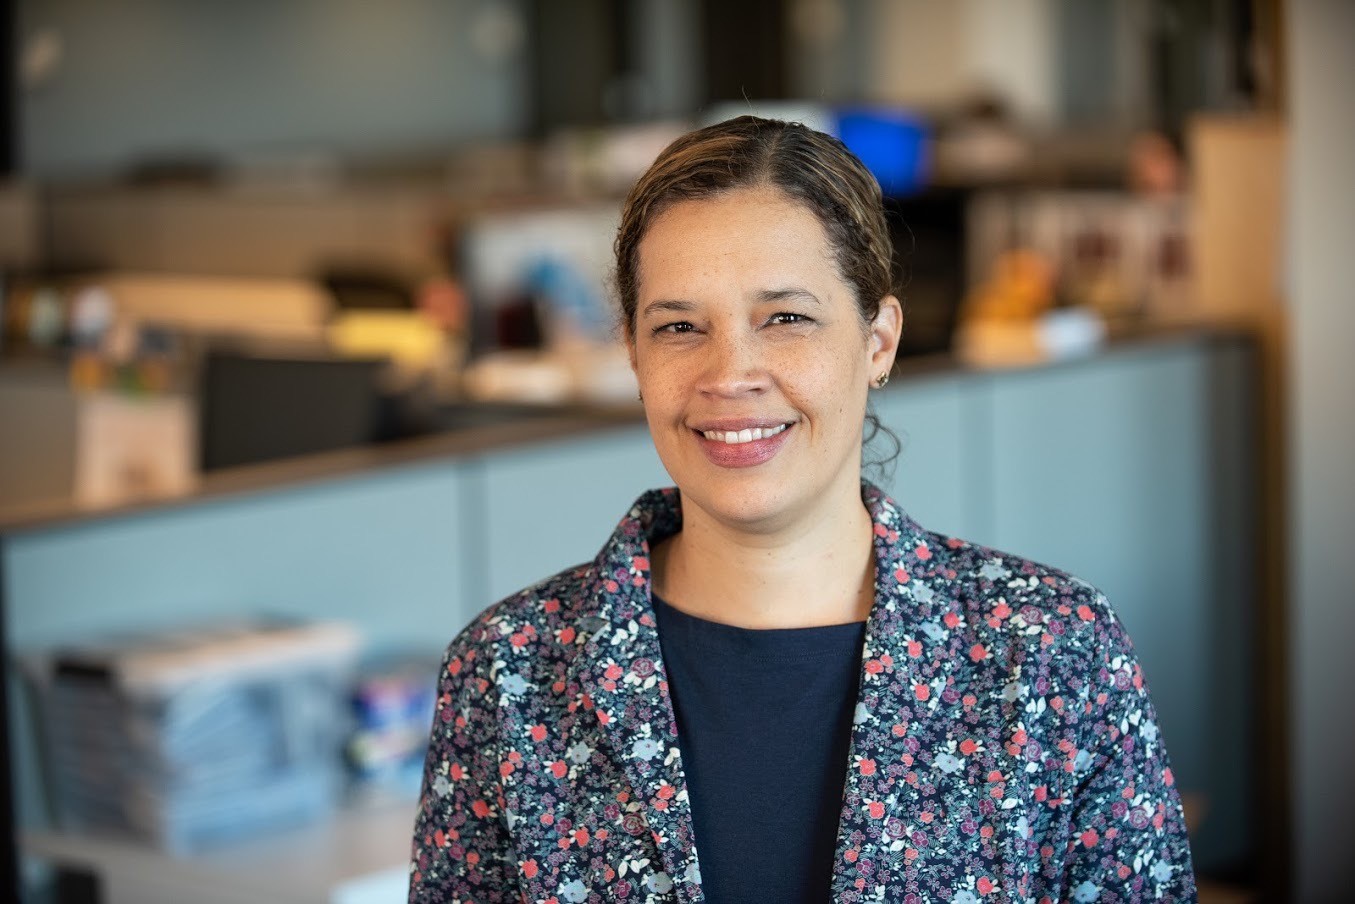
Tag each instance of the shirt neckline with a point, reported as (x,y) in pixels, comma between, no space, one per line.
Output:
(718,639)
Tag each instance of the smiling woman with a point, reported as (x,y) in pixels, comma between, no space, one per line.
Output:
(771,338)
(770,663)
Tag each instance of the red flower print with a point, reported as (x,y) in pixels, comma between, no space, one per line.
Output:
(538,732)
(1089,838)
(1085,613)
(923,552)
(984,885)
(977,652)
(876,809)
(867,767)
(967,746)
(922,692)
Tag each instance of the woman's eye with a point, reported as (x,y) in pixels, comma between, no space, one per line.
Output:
(787,317)
(681,326)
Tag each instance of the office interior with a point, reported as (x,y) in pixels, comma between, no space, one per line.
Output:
(305,306)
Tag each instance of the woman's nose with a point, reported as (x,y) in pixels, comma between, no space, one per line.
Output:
(732,367)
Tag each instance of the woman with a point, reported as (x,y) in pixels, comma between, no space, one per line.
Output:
(771,664)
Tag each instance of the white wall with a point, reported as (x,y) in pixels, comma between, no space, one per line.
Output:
(1321,55)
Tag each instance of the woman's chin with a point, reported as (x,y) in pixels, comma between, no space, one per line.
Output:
(750,505)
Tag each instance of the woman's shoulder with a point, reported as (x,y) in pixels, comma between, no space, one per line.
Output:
(987,575)
(983,584)
(544,620)
(1009,600)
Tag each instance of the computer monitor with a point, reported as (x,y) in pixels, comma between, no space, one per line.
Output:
(254,408)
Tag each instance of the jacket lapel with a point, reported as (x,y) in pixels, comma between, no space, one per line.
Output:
(624,682)
(910,777)
(893,704)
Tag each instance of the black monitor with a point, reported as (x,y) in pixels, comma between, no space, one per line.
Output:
(253,409)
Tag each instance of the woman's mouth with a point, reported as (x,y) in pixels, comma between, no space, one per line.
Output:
(744,447)
(736,437)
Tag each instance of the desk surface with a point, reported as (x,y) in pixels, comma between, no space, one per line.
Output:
(358,857)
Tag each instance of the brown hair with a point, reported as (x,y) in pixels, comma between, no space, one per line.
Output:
(809,166)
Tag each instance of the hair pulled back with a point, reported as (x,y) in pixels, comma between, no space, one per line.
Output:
(810,167)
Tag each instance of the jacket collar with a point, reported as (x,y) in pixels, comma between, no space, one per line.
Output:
(909,616)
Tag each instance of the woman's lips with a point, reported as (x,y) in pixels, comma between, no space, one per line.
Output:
(742,453)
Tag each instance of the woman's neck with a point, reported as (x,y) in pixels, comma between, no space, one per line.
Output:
(820,571)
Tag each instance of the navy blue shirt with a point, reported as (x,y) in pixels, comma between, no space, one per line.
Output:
(764,722)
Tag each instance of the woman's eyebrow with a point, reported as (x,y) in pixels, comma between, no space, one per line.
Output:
(790,293)
(670,305)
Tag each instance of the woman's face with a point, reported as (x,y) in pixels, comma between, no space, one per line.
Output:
(752,358)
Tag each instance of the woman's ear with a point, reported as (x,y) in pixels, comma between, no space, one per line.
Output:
(629,339)
(885,331)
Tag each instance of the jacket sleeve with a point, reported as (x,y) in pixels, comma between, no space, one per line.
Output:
(462,851)
(1128,835)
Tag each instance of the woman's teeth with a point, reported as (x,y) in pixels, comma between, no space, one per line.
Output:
(733,437)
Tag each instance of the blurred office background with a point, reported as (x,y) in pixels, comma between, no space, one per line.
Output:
(303,304)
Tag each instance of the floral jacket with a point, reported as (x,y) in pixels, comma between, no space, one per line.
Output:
(1004,746)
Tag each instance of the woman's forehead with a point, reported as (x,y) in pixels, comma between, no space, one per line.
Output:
(756,239)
